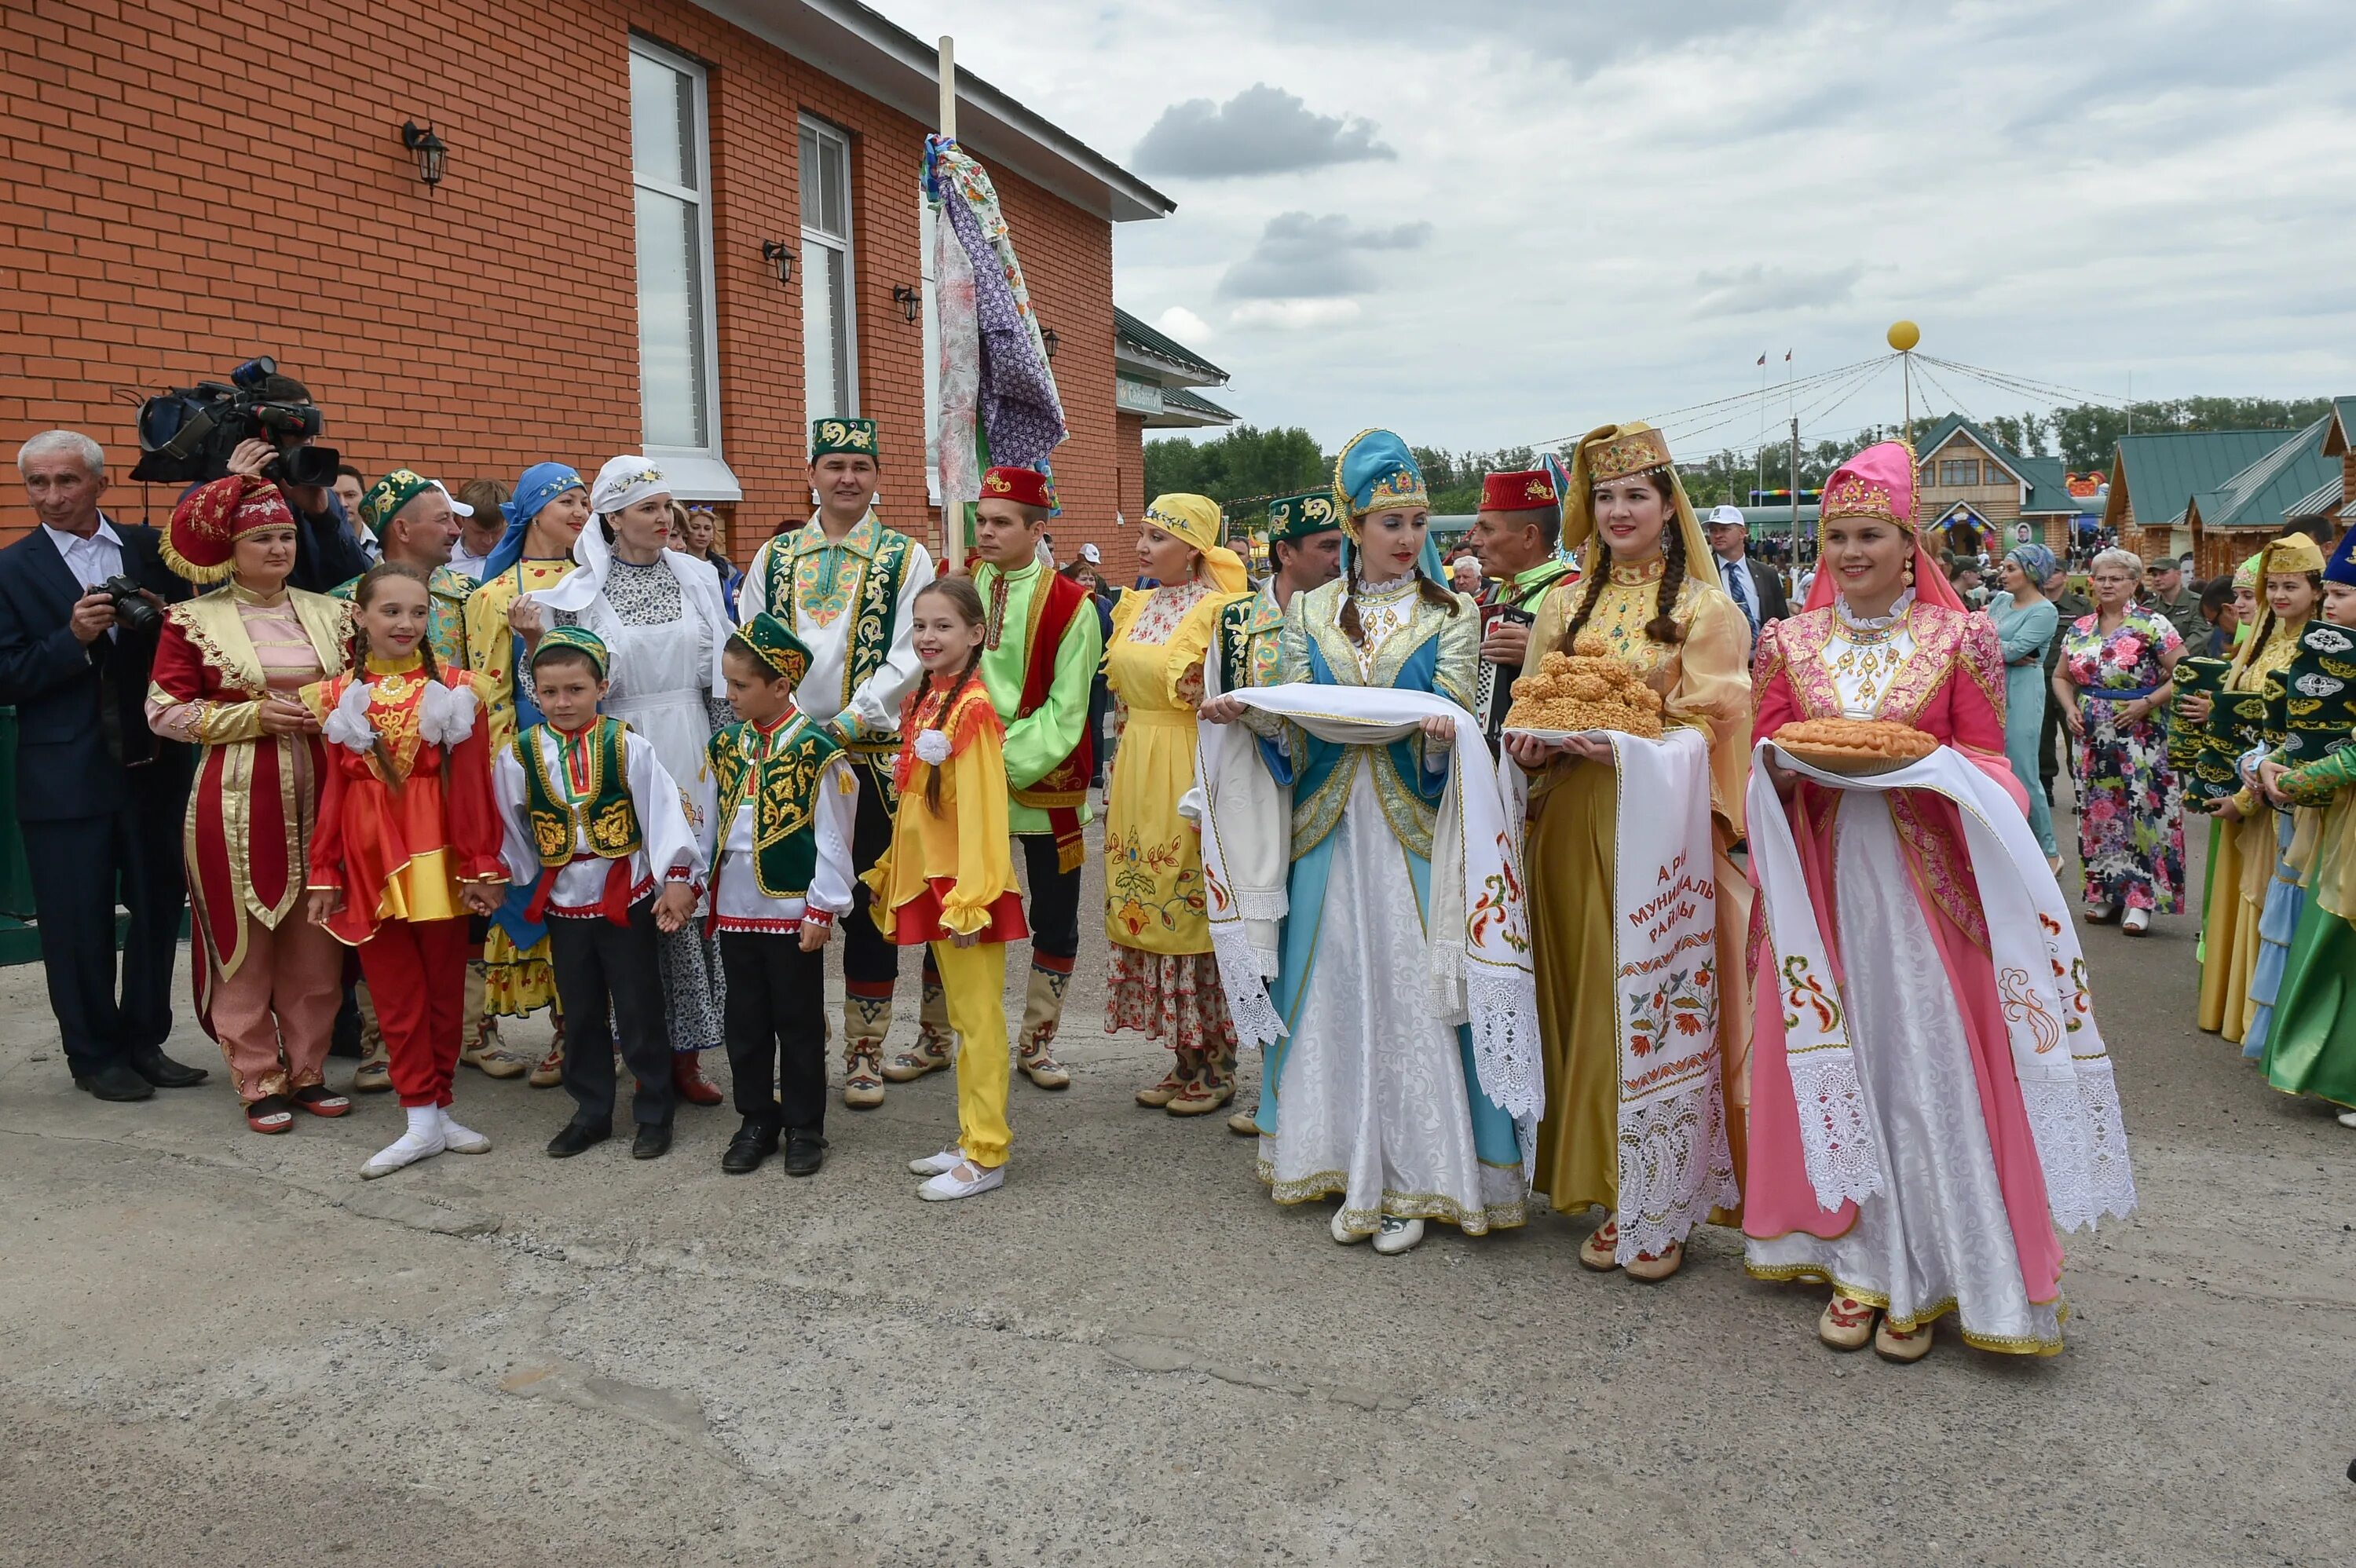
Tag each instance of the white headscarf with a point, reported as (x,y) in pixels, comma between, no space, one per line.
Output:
(623,483)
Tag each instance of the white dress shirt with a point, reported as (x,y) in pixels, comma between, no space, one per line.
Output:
(664,839)
(93,559)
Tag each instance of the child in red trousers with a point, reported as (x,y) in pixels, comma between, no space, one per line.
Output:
(407,845)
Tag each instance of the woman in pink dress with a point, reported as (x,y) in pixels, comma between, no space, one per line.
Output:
(1913,1136)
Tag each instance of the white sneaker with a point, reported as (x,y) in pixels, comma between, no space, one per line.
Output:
(407,1149)
(934,1164)
(951,1184)
(1342,1232)
(2137,923)
(2348,1118)
(460,1139)
(1398,1235)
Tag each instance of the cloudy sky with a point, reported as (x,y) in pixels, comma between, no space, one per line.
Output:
(1502,221)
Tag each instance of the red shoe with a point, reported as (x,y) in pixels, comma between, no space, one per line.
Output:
(687,1077)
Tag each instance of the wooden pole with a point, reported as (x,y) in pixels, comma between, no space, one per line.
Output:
(953,513)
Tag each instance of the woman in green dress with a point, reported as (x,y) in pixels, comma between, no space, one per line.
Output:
(2026,625)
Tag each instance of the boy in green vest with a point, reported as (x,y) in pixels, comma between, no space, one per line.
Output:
(785,800)
(594,827)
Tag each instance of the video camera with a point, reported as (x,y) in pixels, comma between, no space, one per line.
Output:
(188,434)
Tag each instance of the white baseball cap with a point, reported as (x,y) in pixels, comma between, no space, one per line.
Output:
(1090,552)
(1724,517)
(456,506)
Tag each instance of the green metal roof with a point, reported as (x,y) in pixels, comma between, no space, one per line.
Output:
(1179,397)
(1127,328)
(2267,492)
(2342,434)
(2157,474)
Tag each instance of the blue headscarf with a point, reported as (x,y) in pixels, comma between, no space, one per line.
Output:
(2034,560)
(541,483)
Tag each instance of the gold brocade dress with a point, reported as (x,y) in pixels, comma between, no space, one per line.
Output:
(1570,858)
(1163,980)
(2245,854)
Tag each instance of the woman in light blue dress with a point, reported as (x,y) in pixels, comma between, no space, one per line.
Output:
(2026,622)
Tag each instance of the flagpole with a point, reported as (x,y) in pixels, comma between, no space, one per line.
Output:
(953,513)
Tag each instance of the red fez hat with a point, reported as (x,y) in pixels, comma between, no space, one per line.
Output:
(210,519)
(1523,492)
(1026,486)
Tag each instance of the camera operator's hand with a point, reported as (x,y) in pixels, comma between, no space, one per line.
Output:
(284,716)
(93,613)
(252,457)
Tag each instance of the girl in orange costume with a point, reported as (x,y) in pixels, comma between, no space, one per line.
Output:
(407,844)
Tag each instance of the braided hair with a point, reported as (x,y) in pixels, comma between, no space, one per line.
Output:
(1663,627)
(363,591)
(966,600)
(1353,626)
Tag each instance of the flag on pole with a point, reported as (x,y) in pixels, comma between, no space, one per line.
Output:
(1763,359)
(1787,357)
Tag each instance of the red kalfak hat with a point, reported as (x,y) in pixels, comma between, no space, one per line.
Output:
(210,519)
(1528,491)
(1026,486)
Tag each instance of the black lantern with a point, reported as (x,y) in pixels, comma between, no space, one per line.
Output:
(778,254)
(1047,337)
(910,301)
(428,149)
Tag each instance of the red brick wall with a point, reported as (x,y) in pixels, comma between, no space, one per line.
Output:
(192,186)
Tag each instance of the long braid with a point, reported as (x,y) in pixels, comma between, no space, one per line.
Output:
(1594,591)
(363,591)
(1663,627)
(382,753)
(1353,626)
(967,599)
(940,721)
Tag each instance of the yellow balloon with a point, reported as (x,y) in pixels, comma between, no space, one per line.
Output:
(1904,336)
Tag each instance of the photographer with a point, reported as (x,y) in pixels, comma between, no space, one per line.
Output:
(327,555)
(101,798)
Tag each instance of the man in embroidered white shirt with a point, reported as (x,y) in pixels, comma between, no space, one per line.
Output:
(846,586)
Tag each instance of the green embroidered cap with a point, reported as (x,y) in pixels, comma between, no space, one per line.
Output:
(854,436)
(774,645)
(579,638)
(388,495)
(1298,517)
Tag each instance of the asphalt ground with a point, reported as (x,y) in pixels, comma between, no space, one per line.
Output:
(218,1348)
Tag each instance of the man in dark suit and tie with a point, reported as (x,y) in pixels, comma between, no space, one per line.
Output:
(1757,592)
(99,797)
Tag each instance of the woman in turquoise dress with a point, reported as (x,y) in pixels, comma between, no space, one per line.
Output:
(1372,1094)
(2026,622)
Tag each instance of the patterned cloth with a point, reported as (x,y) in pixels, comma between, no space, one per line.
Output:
(2131,810)
(1022,416)
(1173,998)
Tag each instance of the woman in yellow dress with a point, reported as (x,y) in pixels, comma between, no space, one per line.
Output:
(2245,850)
(1650,587)
(544,518)
(1164,980)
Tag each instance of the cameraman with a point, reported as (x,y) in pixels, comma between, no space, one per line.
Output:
(327,555)
(101,797)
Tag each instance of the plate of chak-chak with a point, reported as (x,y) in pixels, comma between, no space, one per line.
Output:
(1857,747)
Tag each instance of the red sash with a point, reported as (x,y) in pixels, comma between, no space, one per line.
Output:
(1063,789)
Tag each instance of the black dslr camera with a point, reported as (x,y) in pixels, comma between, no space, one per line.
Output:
(134,611)
(188,434)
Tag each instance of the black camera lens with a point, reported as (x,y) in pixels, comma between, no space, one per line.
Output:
(134,611)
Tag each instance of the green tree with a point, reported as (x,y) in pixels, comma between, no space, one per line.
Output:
(2089,432)
(1246,465)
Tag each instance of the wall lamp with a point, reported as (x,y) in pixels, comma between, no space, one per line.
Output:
(911,302)
(428,149)
(1048,339)
(780,255)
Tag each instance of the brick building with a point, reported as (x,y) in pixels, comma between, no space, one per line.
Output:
(598,270)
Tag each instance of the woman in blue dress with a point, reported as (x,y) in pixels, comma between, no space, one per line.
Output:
(2025,624)
(1372,1094)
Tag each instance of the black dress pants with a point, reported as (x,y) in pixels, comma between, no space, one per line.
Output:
(777,1030)
(609,985)
(1054,911)
(77,866)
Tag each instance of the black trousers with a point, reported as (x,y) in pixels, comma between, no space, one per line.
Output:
(1054,911)
(609,985)
(78,864)
(777,1030)
(867,958)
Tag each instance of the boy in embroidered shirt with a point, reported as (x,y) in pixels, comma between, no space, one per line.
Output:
(592,822)
(784,799)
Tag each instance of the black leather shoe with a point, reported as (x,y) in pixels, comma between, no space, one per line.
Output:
(653,1141)
(115,1080)
(575,1138)
(805,1152)
(754,1142)
(163,1071)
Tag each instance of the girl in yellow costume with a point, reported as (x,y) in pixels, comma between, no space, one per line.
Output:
(1650,587)
(544,518)
(1164,980)
(2244,850)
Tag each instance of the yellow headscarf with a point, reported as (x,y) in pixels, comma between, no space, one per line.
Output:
(1195,519)
(1616,452)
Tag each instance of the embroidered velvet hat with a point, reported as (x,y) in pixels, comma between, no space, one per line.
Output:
(856,437)
(1524,490)
(1300,516)
(201,539)
(1027,486)
(1376,472)
(580,639)
(2341,567)
(774,645)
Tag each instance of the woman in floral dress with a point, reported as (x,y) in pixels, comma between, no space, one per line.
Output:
(2116,675)
(1164,980)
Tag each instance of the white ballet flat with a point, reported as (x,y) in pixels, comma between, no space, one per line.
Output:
(1399,1235)
(404,1151)
(934,1164)
(462,1139)
(948,1185)
(1343,1233)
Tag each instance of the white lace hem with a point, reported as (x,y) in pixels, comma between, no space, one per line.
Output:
(1675,1166)
(1273,905)
(1507,1059)
(1835,1133)
(2082,1143)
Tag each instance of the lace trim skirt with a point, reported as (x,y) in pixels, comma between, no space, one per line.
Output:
(1174,997)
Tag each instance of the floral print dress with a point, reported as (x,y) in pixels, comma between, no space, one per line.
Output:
(2130,803)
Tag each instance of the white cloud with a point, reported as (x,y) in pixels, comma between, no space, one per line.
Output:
(1294,315)
(1184,325)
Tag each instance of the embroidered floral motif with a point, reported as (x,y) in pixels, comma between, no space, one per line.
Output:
(1136,875)
(1684,1004)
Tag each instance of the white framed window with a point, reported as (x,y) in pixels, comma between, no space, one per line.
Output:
(926,219)
(830,327)
(678,362)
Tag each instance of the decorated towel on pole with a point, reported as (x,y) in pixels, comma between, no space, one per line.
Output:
(2058,1057)
(1477,920)
(998,392)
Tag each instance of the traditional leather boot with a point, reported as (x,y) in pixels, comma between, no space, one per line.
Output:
(551,1071)
(936,1046)
(687,1077)
(1210,1085)
(1043,1009)
(374,1074)
(866,1019)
